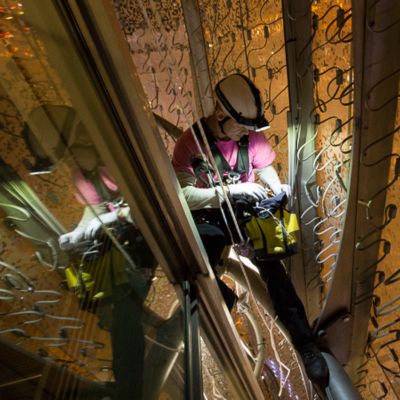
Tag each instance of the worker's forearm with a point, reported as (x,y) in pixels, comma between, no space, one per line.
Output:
(198,198)
(269,176)
(90,211)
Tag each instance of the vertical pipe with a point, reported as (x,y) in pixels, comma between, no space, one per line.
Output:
(298,37)
(198,57)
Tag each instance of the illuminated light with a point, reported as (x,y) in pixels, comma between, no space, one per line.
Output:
(9,17)
(21,12)
(210,45)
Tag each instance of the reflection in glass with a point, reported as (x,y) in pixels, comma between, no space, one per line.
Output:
(85,311)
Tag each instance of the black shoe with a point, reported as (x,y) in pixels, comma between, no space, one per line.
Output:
(315,364)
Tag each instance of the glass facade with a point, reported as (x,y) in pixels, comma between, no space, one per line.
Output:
(87,311)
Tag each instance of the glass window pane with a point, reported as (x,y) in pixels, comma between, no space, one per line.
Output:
(86,310)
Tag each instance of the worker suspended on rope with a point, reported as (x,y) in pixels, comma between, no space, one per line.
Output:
(112,277)
(219,159)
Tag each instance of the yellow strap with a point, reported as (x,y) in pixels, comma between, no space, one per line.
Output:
(71,276)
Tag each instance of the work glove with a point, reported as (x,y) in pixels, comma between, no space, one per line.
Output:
(248,188)
(94,225)
(70,239)
(269,176)
(278,188)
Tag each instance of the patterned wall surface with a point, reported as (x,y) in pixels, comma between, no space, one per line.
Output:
(379,375)
(247,37)
(156,34)
(333,119)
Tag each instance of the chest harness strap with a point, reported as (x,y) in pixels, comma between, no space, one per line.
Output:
(232,175)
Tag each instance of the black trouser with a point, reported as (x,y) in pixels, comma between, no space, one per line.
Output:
(287,304)
(128,345)
(214,241)
(123,314)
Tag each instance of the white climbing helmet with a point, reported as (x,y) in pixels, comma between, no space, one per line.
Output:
(240,99)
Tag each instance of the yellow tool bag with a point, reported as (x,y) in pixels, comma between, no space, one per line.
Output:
(82,283)
(272,228)
(91,278)
(98,266)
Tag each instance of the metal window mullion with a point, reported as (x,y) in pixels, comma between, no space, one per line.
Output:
(224,342)
(303,266)
(198,56)
(193,375)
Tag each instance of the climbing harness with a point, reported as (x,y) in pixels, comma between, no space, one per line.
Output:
(229,175)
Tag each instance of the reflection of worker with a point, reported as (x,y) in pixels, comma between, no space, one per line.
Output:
(120,280)
(241,151)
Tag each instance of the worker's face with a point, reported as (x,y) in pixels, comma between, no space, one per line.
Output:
(230,129)
(86,157)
